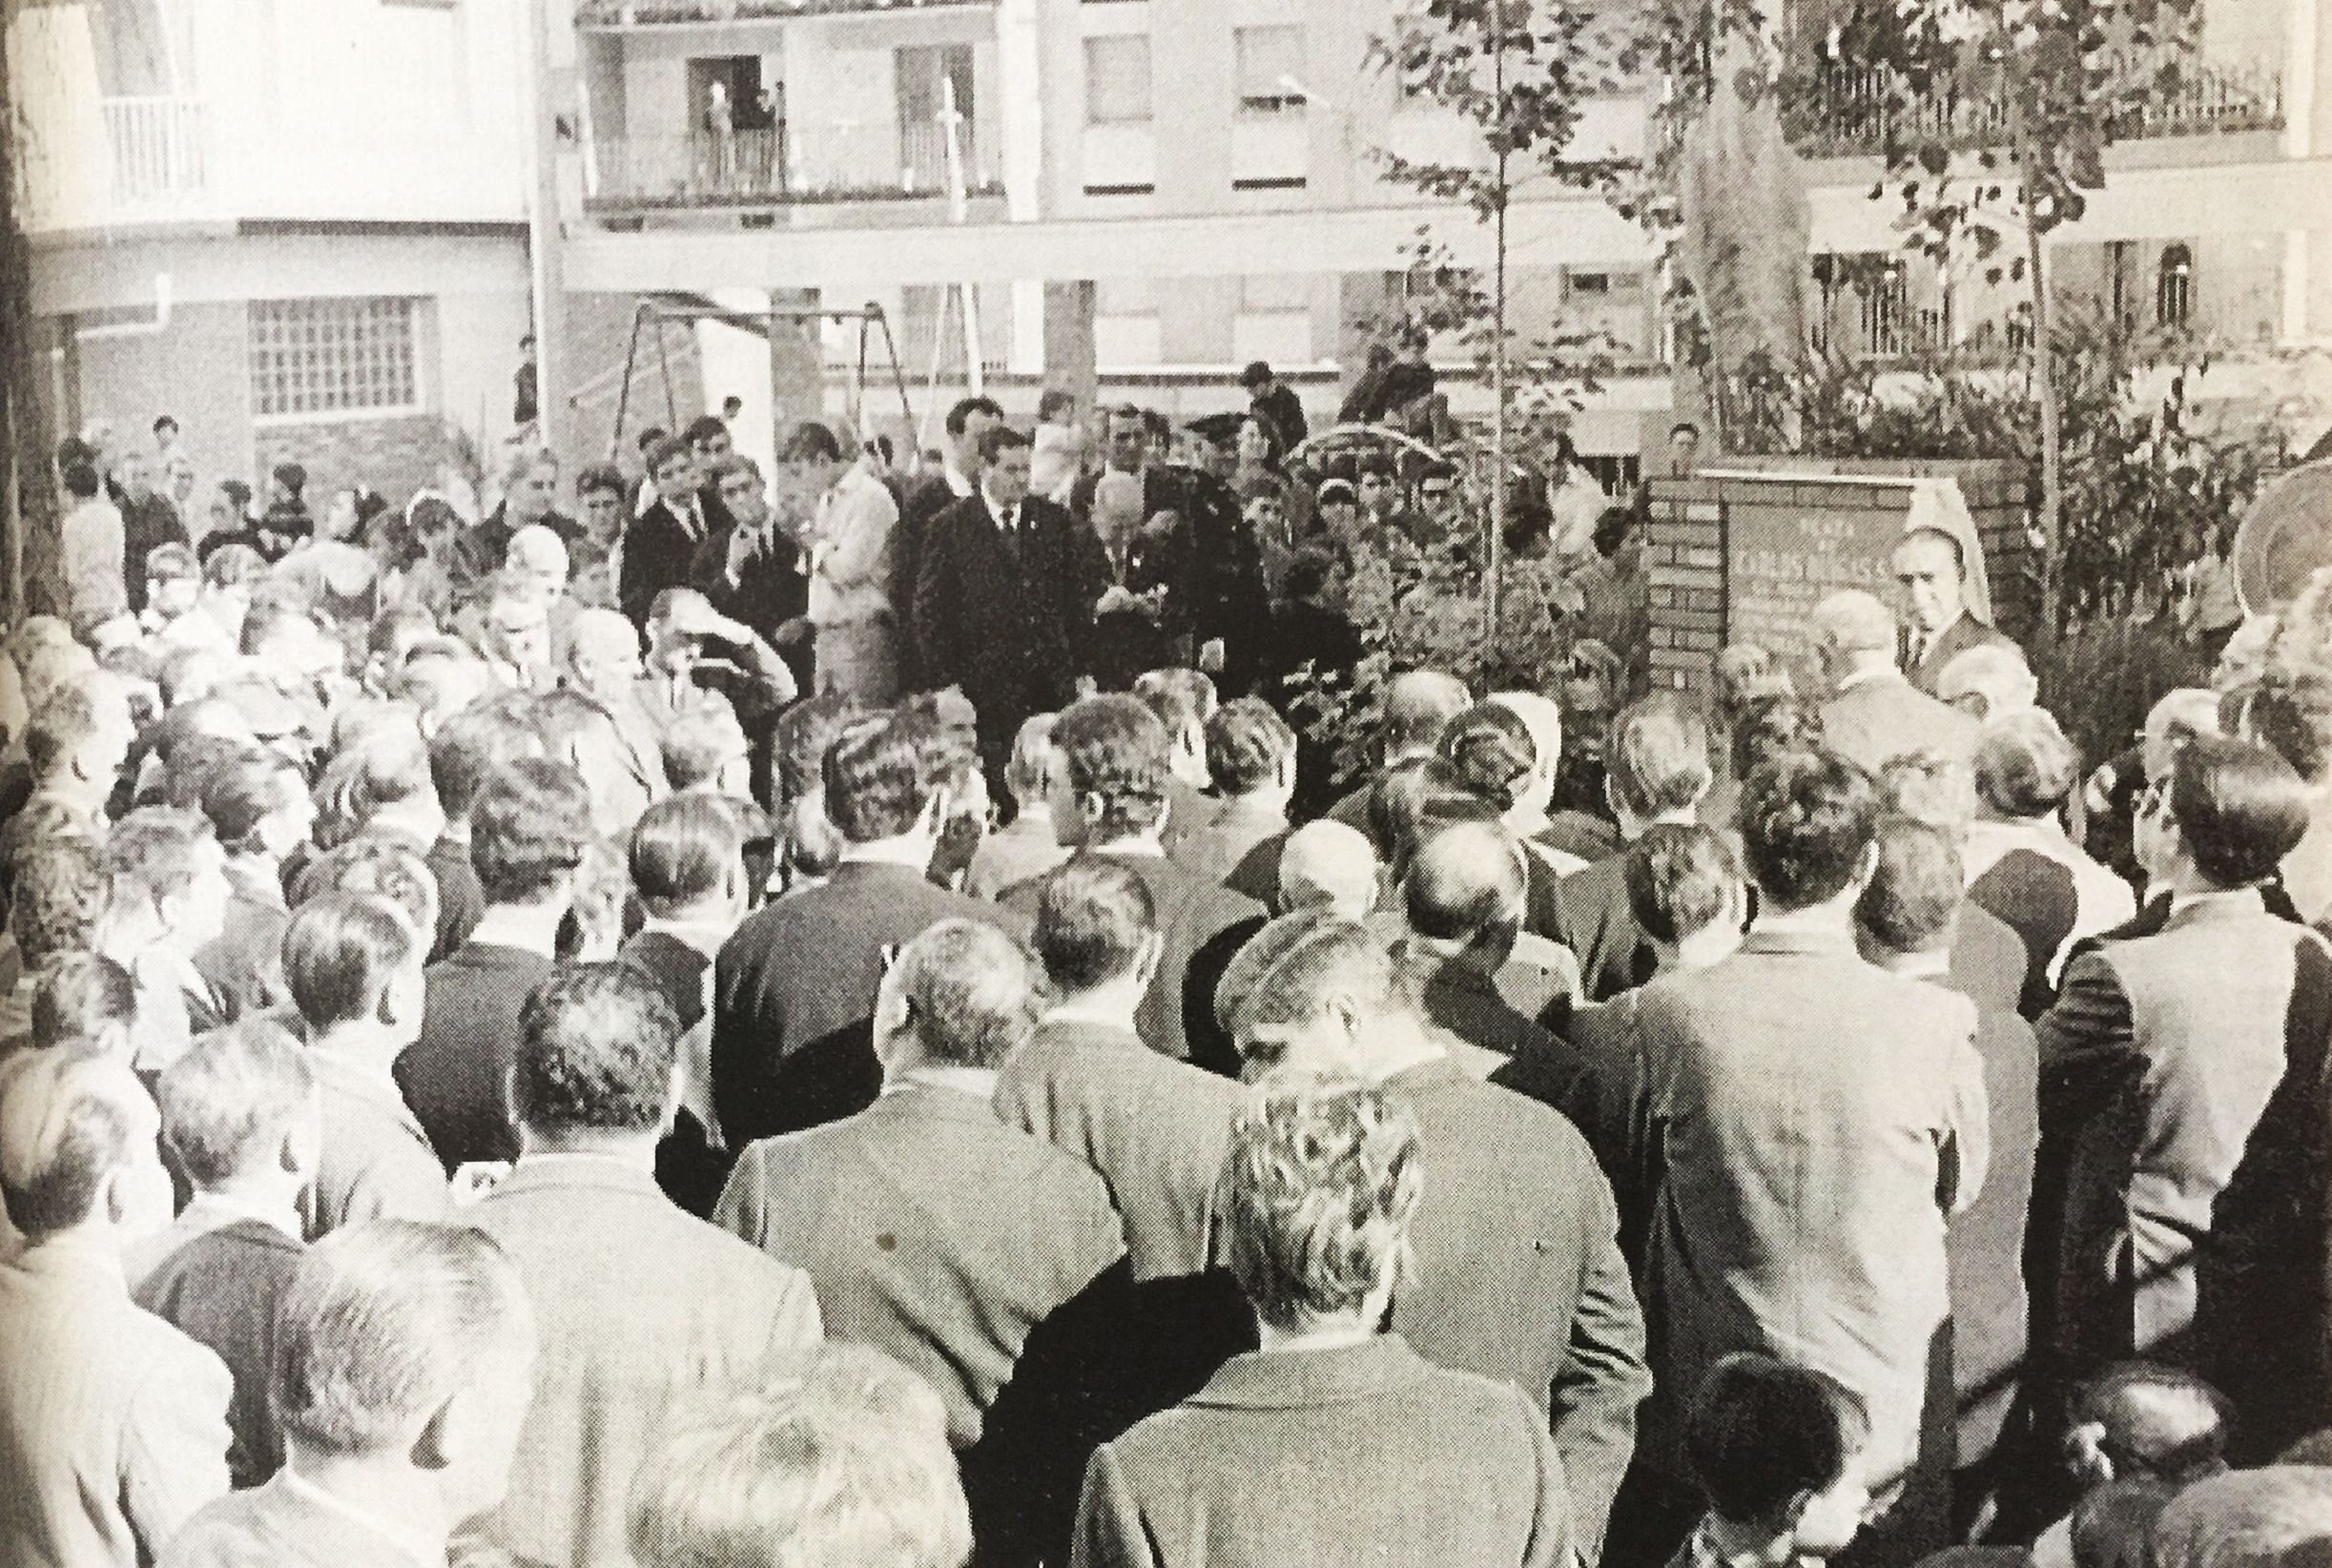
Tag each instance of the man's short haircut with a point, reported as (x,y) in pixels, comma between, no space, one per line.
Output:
(1612,528)
(171,561)
(1465,879)
(73,450)
(1093,916)
(524,459)
(1326,863)
(1855,622)
(1054,400)
(383,1325)
(233,566)
(683,850)
(837,1458)
(340,951)
(1915,892)
(1033,760)
(1316,1193)
(1488,749)
(1995,671)
(1413,800)
(1761,1432)
(2024,765)
(1113,747)
(2280,1516)
(56,895)
(972,993)
(231,1101)
(696,744)
(1656,757)
(2291,714)
(960,413)
(661,451)
(528,829)
(811,441)
(1805,819)
(63,722)
(1289,971)
(1683,428)
(997,440)
(880,777)
(81,480)
(268,621)
(1419,705)
(1180,697)
(805,732)
(595,1048)
(475,744)
(68,1120)
(702,428)
(650,436)
(600,478)
(1248,744)
(1680,880)
(77,997)
(241,789)
(1931,787)
(2240,808)
(2154,1421)
(155,851)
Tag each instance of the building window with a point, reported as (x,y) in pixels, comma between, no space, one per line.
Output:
(1587,285)
(1271,69)
(311,356)
(1118,79)
(2174,287)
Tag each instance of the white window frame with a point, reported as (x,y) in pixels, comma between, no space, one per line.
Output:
(416,307)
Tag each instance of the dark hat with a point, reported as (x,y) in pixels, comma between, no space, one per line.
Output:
(291,476)
(1256,373)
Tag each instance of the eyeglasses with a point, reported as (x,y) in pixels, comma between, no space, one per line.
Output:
(2153,798)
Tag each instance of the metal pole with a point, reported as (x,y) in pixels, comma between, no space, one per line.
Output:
(622,397)
(663,359)
(1497,327)
(898,376)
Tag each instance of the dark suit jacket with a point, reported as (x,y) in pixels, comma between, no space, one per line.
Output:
(1001,617)
(1518,1274)
(770,590)
(1876,720)
(224,1290)
(1957,638)
(453,1076)
(687,1309)
(920,501)
(460,902)
(1154,1128)
(1592,918)
(659,553)
(1363,1454)
(794,997)
(2159,1064)
(2034,897)
(1221,587)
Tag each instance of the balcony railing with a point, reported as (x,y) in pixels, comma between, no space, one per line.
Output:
(790,164)
(154,165)
(625,13)
(158,151)
(1853,112)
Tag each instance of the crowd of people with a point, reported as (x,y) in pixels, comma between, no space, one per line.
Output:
(848,1027)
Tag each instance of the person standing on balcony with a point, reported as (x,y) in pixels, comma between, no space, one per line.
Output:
(852,529)
(720,127)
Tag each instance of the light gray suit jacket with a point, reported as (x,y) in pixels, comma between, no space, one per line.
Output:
(1887,716)
(637,1305)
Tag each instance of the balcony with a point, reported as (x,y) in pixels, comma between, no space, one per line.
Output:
(1860,113)
(790,165)
(154,167)
(606,15)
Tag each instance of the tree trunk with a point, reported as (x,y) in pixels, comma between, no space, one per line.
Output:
(1498,343)
(2044,392)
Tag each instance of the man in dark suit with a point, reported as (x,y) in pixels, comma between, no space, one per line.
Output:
(1874,715)
(1419,705)
(921,502)
(793,989)
(998,602)
(1463,899)
(1931,569)
(1904,922)
(1228,607)
(528,833)
(751,568)
(1109,798)
(660,546)
(944,1237)
(2159,1063)
(1517,1273)
(691,1308)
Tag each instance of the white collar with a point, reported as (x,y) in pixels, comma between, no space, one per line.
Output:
(2249,897)
(1077,1010)
(500,927)
(216,1210)
(957,480)
(1866,677)
(410,1543)
(705,936)
(915,857)
(980,1082)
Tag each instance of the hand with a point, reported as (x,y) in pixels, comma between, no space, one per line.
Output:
(1117,599)
(1210,656)
(693,617)
(476,1179)
(743,546)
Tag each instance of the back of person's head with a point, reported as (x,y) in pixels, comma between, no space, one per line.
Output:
(473,745)
(1295,968)
(1680,880)
(1029,773)
(811,441)
(56,895)
(1316,1193)
(2113,1526)
(2024,765)
(1914,896)
(596,1043)
(2240,808)
(376,864)
(1807,822)
(1183,698)
(1772,727)
(1854,623)
(1990,680)
(698,744)
(1931,787)
(1745,674)
(1762,1435)
(969,994)
(1249,746)
(386,1326)
(242,790)
(241,1101)
(1489,749)
(59,727)
(527,830)
(805,732)
(1095,920)
(2277,1518)
(1114,754)
(2291,714)
(881,778)
(1328,865)
(271,626)
(1418,707)
(1466,881)
(154,853)
(79,997)
(71,1123)
(340,951)
(838,1457)
(2148,1421)
(1656,758)
(685,851)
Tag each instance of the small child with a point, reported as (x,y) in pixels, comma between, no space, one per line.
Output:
(1778,1452)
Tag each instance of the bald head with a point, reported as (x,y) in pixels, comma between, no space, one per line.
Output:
(604,651)
(540,555)
(2179,717)
(1854,623)
(1990,680)
(1419,705)
(1328,865)
(1466,883)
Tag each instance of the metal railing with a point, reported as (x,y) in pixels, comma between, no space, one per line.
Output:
(1851,111)
(158,150)
(790,162)
(606,14)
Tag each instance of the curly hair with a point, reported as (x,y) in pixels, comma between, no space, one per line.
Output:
(528,829)
(1805,820)
(595,1049)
